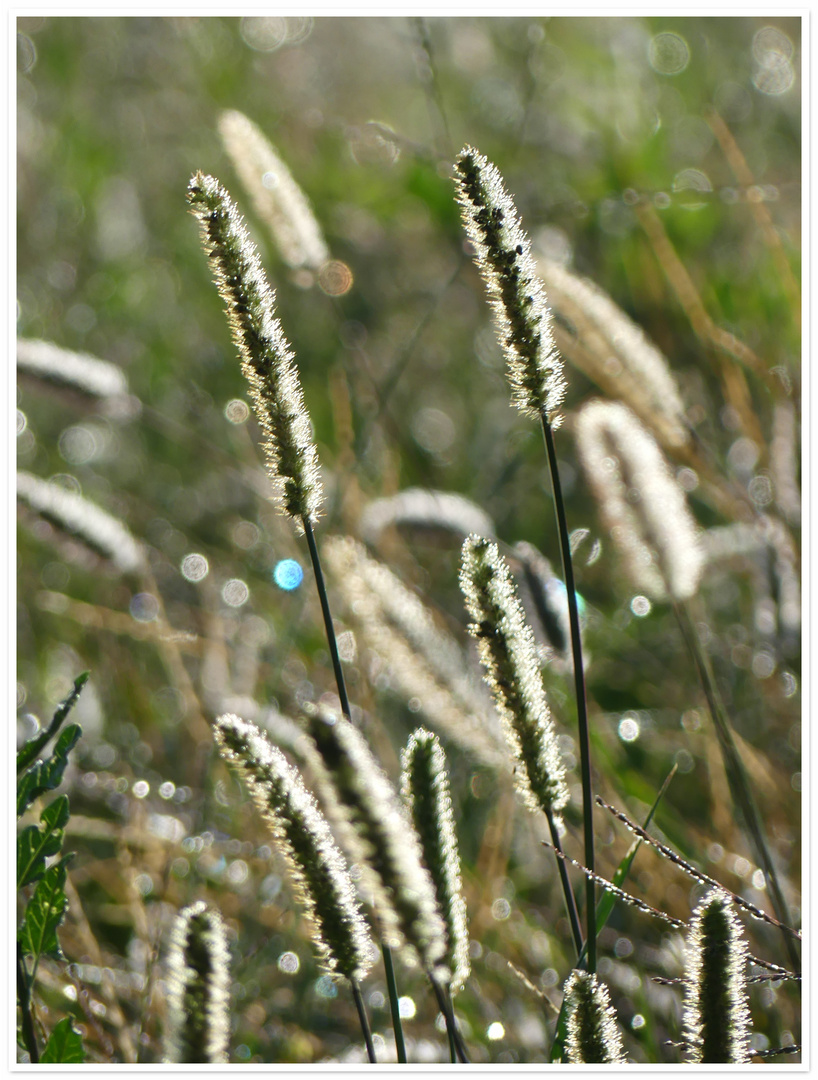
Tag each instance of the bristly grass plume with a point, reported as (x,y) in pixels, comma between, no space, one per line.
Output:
(509,657)
(425,791)
(593,1035)
(503,255)
(640,501)
(267,360)
(380,837)
(317,868)
(277,198)
(198,1022)
(716,1012)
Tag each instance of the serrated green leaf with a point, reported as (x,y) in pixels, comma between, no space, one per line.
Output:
(46,775)
(44,913)
(64,1045)
(29,751)
(36,843)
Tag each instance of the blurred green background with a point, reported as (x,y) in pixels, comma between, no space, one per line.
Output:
(590,120)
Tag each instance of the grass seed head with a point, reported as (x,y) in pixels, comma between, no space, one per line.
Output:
(593,1035)
(198,1026)
(509,657)
(640,501)
(716,1012)
(317,868)
(267,360)
(425,792)
(503,256)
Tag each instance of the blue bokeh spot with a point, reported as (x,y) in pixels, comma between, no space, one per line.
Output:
(288,575)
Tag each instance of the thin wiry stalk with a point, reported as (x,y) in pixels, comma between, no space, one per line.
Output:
(716,1013)
(24,1001)
(579,689)
(364,1021)
(697,875)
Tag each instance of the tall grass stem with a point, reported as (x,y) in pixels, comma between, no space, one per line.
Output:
(359,1005)
(570,902)
(340,682)
(579,684)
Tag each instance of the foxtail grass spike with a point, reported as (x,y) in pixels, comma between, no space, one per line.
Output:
(82,520)
(380,836)
(426,663)
(508,655)
(503,256)
(593,1035)
(266,357)
(620,355)
(277,198)
(317,868)
(78,372)
(425,791)
(640,502)
(716,1012)
(198,1023)
(425,511)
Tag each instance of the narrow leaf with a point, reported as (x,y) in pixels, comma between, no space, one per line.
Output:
(29,751)
(36,843)
(64,1046)
(46,775)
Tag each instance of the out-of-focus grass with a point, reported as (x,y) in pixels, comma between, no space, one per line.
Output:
(584,117)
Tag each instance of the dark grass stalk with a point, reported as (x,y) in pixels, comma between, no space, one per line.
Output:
(445,1003)
(24,998)
(579,684)
(359,1005)
(736,774)
(568,892)
(394,1004)
(340,683)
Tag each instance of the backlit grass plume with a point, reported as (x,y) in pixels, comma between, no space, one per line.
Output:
(616,353)
(266,358)
(593,1035)
(277,198)
(509,658)
(424,661)
(83,521)
(317,868)
(503,256)
(716,1011)
(640,501)
(380,836)
(198,1022)
(425,791)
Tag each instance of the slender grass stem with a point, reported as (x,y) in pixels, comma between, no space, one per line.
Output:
(359,1005)
(579,683)
(24,998)
(736,773)
(445,1003)
(394,1004)
(568,892)
(340,683)
(330,629)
